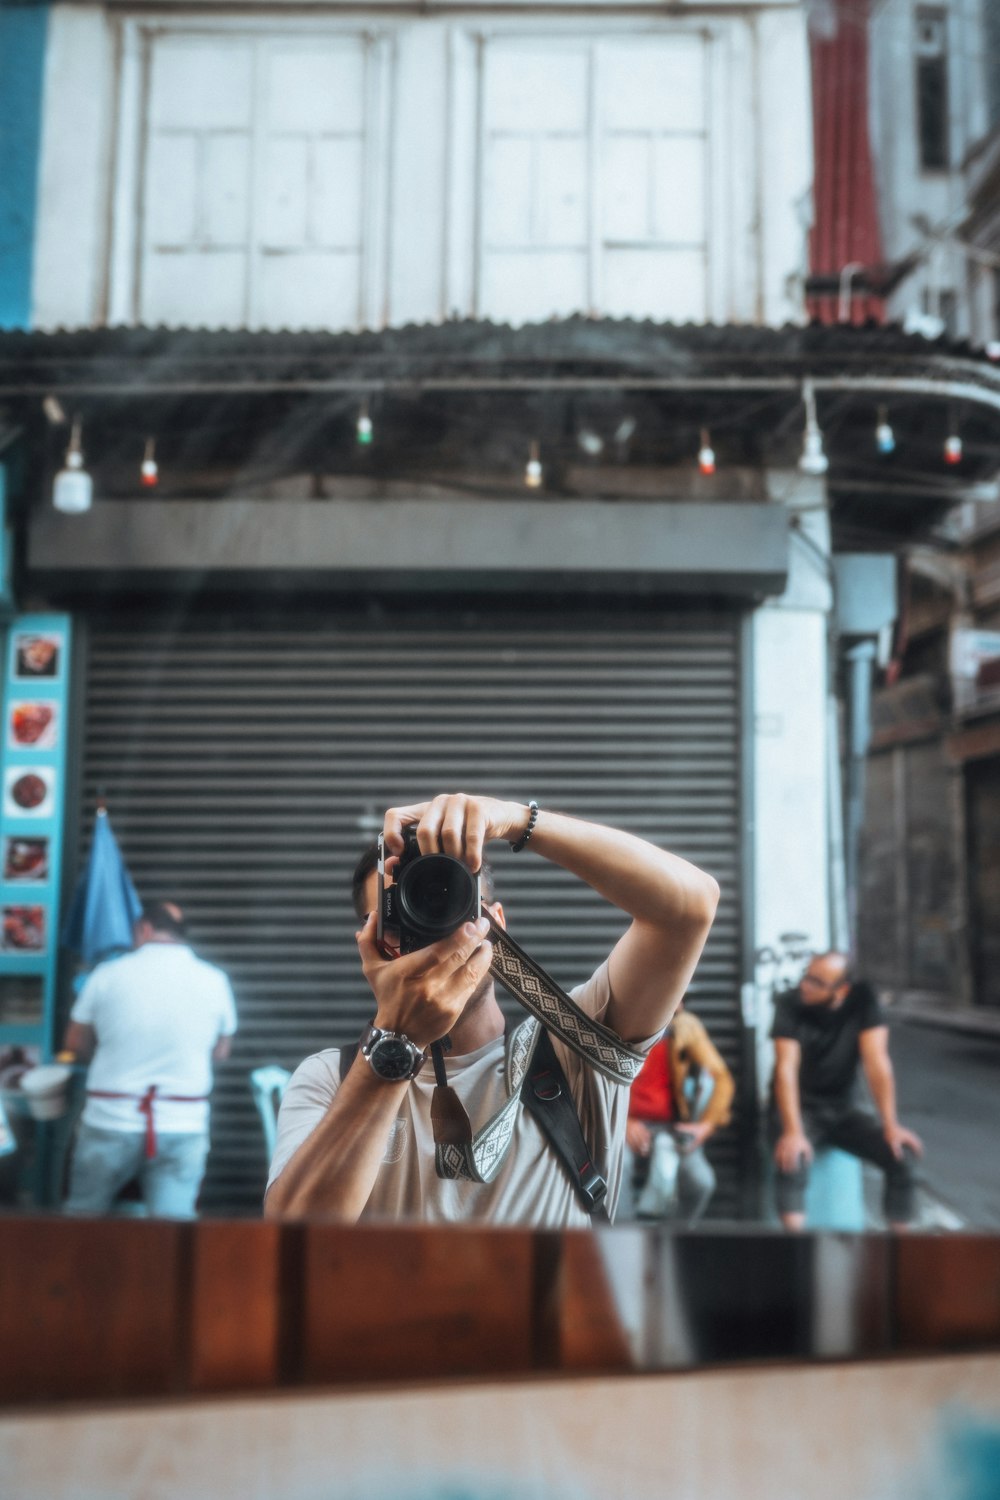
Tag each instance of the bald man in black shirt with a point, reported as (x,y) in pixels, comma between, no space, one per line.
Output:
(822,1030)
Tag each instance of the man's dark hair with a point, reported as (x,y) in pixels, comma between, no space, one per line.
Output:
(165,916)
(369,862)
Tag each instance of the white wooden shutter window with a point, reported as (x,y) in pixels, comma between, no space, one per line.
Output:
(594,182)
(653,170)
(259,181)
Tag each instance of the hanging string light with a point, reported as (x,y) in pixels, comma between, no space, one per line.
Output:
(73,491)
(885,438)
(706,453)
(364,429)
(149,473)
(53,409)
(813,459)
(533,468)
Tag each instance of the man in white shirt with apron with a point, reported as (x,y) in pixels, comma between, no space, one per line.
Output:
(153,1022)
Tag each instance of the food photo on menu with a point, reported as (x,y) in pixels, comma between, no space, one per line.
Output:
(33,725)
(22,929)
(37,655)
(28,791)
(26,859)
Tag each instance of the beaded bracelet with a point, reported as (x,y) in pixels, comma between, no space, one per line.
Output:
(526,835)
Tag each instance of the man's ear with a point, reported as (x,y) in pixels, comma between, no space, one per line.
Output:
(495,909)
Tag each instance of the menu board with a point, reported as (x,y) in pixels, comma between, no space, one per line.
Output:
(32,795)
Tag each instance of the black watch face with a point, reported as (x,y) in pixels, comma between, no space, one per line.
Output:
(392,1059)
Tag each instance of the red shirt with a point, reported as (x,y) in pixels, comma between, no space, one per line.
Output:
(651,1096)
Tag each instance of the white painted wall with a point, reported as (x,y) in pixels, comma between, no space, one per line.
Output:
(493,164)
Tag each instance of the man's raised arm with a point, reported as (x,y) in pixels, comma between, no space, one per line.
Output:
(671,902)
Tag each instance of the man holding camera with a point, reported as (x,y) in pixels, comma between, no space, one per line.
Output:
(367,1144)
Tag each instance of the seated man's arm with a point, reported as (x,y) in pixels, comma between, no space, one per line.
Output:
(672,903)
(874,1047)
(422,994)
(792,1145)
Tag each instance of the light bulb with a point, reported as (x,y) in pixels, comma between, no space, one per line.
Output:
(706,453)
(149,474)
(885,438)
(813,459)
(73,490)
(533,469)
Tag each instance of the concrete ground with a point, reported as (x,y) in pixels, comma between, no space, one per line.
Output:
(948,1090)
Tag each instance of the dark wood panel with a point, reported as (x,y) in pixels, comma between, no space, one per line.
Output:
(235,1307)
(384,1304)
(89,1309)
(947,1292)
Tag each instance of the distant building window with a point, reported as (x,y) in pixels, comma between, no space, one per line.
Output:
(932,88)
(991,26)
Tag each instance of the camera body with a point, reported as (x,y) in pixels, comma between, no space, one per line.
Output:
(425,897)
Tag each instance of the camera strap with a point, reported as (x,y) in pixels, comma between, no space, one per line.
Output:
(599,1046)
(461,1153)
(536,1082)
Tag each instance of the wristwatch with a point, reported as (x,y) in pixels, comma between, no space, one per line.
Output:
(391,1055)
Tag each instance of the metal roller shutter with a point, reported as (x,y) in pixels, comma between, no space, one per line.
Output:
(247,759)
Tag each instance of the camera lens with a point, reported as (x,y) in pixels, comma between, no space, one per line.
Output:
(437,894)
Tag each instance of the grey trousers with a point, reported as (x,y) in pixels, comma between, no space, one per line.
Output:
(105,1160)
(694,1186)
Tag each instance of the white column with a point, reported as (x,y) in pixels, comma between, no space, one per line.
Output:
(791,745)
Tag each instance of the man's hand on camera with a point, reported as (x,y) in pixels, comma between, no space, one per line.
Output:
(423,994)
(456,824)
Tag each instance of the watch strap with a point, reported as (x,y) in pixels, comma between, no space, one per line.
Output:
(374,1034)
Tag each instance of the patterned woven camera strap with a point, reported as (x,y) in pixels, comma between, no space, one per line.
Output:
(600,1047)
(459,1152)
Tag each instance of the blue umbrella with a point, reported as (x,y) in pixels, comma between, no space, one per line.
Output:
(105,905)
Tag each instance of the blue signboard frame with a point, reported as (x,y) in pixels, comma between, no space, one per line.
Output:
(34,732)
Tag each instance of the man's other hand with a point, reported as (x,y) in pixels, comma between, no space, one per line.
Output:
(690,1137)
(792,1150)
(423,994)
(900,1138)
(638,1137)
(456,824)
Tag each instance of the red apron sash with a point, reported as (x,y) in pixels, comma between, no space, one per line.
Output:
(145,1107)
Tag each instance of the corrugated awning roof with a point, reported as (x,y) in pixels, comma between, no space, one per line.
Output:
(573,352)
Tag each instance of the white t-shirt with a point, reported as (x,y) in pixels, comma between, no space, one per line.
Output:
(532,1188)
(158,1013)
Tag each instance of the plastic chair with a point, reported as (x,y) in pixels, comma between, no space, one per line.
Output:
(268,1084)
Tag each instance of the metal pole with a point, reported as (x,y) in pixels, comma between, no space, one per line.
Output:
(860,661)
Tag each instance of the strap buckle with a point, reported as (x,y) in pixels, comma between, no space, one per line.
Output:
(592,1186)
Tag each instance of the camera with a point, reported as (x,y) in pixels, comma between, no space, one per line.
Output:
(430,896)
